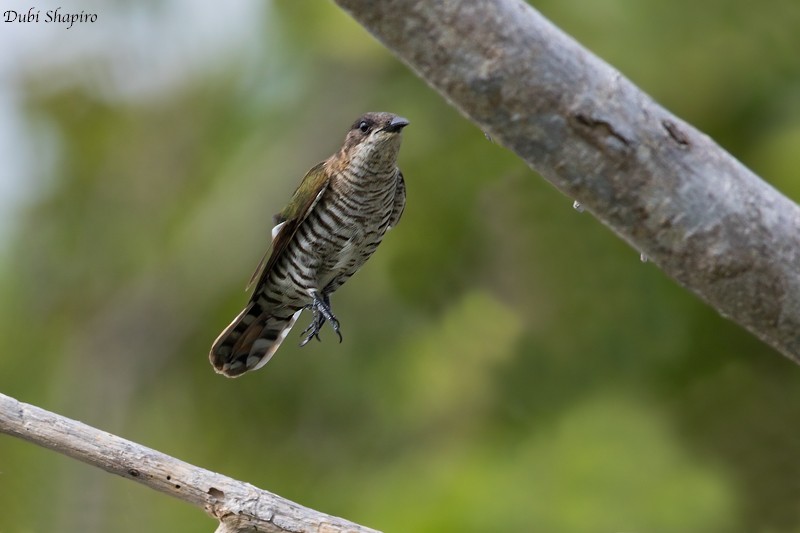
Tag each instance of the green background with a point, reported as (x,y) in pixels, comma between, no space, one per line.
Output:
(508,363)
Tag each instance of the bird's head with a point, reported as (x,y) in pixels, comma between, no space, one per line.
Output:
(374,141)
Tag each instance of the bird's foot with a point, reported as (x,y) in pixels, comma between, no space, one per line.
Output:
(322,313)
(314,327)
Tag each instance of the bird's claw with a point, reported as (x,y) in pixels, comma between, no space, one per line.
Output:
(314,327)
(322,313)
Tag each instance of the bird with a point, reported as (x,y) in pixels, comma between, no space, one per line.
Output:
(335,220)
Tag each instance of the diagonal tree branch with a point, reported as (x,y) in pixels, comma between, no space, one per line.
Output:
(663,186)
(239,506)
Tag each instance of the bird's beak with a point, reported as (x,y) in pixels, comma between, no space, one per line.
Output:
(397,124)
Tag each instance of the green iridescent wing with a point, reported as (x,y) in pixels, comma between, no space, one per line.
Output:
(287,221)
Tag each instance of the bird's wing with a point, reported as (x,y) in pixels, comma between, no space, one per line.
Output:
(399,200)
(287,221)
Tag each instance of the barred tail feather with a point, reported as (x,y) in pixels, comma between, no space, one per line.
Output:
(249,341)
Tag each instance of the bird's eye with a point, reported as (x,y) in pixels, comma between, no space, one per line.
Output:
(363,126)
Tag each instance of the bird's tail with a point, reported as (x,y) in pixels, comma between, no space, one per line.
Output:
(249,341)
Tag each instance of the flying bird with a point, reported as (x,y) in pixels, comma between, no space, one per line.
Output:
(335,220)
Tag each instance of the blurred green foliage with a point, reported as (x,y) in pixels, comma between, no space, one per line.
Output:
(508,364)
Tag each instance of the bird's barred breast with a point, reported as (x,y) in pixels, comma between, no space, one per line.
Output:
(334,241)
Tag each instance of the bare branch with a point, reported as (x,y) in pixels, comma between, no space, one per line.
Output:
(239,506)
(666,188)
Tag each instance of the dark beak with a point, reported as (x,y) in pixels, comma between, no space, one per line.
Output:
(396,124)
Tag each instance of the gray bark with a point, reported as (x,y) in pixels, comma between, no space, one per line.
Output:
(239,506)
(663,186)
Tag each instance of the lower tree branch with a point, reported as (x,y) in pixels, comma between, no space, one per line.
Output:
(239,506)
(666,188)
